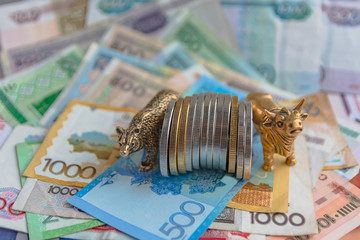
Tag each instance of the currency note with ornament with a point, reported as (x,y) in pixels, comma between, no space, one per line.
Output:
(78,145)
(336,203)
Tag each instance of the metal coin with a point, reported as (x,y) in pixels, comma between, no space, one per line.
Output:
(198,119)
(233,134)
(211,131)
(204,130)
(240,141)
(164,139)
(224,140)
(173,142)
(248,142)
(189,133)
(182,135)
(218,127)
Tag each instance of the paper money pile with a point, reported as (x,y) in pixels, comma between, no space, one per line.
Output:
(207,130)
(73,70)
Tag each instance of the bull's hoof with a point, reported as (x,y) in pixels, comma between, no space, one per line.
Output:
(267,167)
(290,161)
(145,166)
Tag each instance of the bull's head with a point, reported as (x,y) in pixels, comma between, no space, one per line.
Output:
(286,122)
(128,140)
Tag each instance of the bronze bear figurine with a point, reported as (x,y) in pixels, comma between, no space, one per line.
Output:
(144,129)
(278,127)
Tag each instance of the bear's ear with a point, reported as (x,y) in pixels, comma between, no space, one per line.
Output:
(119,130)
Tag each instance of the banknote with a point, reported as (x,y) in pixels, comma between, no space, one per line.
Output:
(339,101)
(78,145)
(100,10)
(9,1)
(123,85)
(17,59)
(184,80)
(206,84)
(212,234)
(353,104)
(26,96)
(244,83)
(351,134)
(156,17)
(43,226)
(265,191)
(43,197)
(5,131)
(13,235)
(10,179)
(47,199)
(340,69)
(354,234)
(29,22)
(98,233)
(323,133)
(175,56)
(300,218)
(337,209)
(348,173)
(200,40)
(270,37)
(197,197)
(2,74)
(131,42)
(93,64)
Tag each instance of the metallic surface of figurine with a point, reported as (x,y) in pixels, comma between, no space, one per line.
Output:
(278,127)
(144,129)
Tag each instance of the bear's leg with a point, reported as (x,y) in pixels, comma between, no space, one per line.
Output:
(148,163)
(268,161)
(291,161)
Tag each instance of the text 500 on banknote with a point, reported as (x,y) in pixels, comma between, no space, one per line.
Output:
(185,214)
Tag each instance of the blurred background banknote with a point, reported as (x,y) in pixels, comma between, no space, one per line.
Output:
(270,37)
(73,70)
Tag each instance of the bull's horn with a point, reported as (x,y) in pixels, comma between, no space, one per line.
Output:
(270,115)
(285,110)
(300,105)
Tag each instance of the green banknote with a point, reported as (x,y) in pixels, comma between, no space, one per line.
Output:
(200,40)
(26,96)
(43,226)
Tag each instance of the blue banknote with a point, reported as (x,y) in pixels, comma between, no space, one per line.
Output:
(146,205)
(206,84)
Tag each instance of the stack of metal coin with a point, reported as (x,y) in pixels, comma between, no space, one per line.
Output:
(207,130)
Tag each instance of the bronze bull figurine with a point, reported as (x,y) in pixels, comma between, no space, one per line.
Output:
(278,127)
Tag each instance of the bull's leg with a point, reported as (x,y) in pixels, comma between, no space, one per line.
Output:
(268,161)
(291,161)
(148,163)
